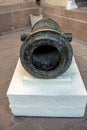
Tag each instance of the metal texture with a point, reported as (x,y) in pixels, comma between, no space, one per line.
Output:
(46,52)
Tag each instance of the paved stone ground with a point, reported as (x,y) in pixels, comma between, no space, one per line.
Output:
(9,54)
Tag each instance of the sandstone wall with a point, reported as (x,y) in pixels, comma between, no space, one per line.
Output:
(7,2)
(15,14)
(56,2)
(73,21)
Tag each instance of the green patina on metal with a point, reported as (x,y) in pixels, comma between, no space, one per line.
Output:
(46,52)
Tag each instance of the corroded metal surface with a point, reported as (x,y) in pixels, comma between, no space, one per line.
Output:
(46,24)
(46,53)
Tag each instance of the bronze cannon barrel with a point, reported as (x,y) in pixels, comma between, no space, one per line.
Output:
(46,52)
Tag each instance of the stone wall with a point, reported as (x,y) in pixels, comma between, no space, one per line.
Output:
(14,1)
(73,21)
(56,2)
(16,14)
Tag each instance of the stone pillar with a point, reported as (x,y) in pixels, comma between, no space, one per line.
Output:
(71,4)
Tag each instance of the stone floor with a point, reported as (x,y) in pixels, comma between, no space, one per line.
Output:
(9,54)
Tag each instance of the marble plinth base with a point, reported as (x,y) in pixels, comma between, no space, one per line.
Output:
(64,96)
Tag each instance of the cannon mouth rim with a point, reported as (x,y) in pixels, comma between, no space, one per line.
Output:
(41,42)
(33,43)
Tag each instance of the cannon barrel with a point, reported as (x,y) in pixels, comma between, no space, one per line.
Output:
(46,52)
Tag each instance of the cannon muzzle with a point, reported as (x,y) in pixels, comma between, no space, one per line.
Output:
(46,52)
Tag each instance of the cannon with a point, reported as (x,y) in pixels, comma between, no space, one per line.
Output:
(46,52)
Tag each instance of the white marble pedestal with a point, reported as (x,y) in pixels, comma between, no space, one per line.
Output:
(61,97)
